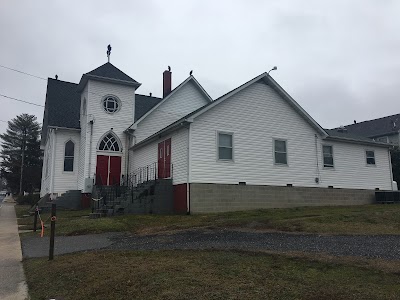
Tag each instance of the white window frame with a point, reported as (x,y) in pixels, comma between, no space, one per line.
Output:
(366,158)
(217,143)
(323,157)
(274,152)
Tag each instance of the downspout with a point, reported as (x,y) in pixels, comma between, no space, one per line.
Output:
(390,169)
(318,178)
(53,162)
(188,172)
(90,148)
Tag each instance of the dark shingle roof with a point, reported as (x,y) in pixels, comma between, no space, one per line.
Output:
(108,70)
(143,104)
(347,135)
(377,127)
(62,105)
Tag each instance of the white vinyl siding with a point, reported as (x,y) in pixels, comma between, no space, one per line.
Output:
(187,99)
(147,155)
(104,122)
(257,115)
(65,180)
(47,164)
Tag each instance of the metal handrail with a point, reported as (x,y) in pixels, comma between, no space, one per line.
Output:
(147,173)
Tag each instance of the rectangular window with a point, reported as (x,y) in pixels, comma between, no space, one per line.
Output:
(280,152)
(370,157)
(328,156)
(225,146)
(69,156)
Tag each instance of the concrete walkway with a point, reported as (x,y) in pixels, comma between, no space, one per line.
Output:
(12,278)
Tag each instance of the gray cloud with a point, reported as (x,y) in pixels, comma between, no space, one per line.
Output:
(338,59)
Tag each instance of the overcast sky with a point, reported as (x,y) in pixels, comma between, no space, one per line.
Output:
(340,60)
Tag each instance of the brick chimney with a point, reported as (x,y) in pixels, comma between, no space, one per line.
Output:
(167,82)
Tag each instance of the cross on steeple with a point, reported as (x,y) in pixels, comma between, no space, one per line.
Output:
(108,52)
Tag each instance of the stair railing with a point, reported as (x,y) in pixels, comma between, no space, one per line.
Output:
(148,173)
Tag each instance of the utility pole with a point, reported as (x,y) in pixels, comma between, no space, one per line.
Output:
(22,160)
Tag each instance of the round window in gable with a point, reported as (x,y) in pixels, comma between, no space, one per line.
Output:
(111,104)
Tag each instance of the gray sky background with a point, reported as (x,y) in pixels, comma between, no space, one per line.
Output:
(339,59)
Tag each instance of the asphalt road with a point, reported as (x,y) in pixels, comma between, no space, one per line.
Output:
(378,246)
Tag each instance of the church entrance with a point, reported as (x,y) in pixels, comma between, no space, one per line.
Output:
(108,167)
(108,170)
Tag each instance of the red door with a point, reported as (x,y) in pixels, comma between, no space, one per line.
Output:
(102,170)
(115,170)
(108,170)
(164,159)
(161,159)
(167,161)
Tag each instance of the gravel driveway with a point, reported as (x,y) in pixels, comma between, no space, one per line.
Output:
(378,246)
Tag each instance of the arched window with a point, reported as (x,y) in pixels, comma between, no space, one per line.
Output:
(109,143)
(69,156)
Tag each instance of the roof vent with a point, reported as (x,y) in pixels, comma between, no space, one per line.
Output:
(342,129)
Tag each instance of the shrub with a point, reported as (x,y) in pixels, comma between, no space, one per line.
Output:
(30,199)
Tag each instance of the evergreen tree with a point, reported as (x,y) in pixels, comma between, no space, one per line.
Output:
(22,158)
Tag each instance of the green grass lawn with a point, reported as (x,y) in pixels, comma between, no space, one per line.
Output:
(366,219)
(202,275)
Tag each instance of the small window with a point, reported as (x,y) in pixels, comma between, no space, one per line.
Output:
(280,152)
(328,156)
(111,104)
(225,148)
(69,157)
(370,157)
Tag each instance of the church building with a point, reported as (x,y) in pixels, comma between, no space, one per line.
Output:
(254,147)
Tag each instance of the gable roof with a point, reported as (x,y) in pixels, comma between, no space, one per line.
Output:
(174,91)
(62,106)
(337,134)
(108,72)
(265,77)
(377,127)
(325,133)
(143,104)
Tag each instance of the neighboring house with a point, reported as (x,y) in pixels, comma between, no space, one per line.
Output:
(254,147)
(385,130)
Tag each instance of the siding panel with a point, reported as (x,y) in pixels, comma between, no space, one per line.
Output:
(186,100)
(147,155)
(256,116)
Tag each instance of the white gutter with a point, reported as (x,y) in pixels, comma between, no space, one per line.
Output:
(53,162)
(64,128)
(90,147)
(188,171)
(390,169)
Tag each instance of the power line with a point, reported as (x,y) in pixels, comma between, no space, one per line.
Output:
(15,99)
(22,72)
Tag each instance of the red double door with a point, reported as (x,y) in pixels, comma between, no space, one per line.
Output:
(108,170)
(164,159)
